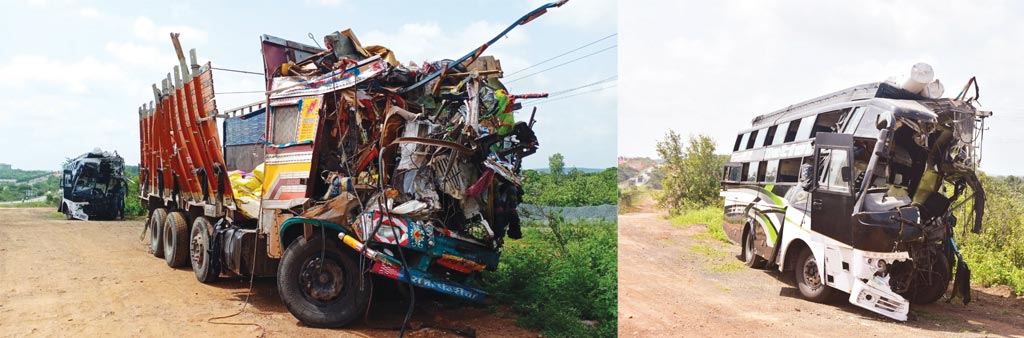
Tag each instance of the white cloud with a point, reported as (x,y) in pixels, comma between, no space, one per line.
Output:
(715,67)
(134,54)
(427,41)
(581,14)
(89,12)
(77,77)
(147,30)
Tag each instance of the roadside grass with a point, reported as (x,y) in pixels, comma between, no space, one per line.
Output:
(710,217)
(561,279)
(631,197)
(716,260)
(38,204)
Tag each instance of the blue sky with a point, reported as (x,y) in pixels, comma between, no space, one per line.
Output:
(75,72)
(725,62)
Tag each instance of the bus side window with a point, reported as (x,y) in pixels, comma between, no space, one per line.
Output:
(770,136)
(761,169)
(771,171)
(854,120)
(752,139)
(780,134)
(789,170)
(741,141)
(806,128)
(791,131)
(828,122)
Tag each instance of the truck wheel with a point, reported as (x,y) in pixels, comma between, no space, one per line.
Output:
(156,230)
(808,278)
(206,266)
(176,240)
(327,292)
(749,256)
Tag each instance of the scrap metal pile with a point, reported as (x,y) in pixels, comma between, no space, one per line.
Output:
(409,152)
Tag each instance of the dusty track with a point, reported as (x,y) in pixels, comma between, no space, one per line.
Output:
(95,279)
(677,281)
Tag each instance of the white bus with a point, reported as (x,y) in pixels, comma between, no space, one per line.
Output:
(854,192)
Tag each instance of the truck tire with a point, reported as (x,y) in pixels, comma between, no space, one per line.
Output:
(156,230)
(176,239)
(808,278)
(330,293)
(205,265)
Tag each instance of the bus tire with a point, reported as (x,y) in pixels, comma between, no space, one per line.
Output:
(156,230)
(750,258)
(176,240)
(809,280)
(927,294)
(327,294)
(205,265)
(67,212)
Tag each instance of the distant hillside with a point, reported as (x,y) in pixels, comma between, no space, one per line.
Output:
(638,171)
(584,170)
(21,175)
(637,163)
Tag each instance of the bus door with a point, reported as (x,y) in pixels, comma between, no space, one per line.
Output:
(832,198)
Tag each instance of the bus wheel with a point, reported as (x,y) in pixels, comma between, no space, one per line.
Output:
(929,286)
(320,285)
(176,240)
(205,266)
(749,256)
(156,230)
(808,278)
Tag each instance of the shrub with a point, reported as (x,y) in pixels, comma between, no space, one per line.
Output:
(556,278)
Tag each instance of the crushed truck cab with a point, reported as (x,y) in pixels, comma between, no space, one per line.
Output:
(354,164)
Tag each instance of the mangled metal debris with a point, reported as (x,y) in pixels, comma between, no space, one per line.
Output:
(93,186)
(413,166)
(856,191)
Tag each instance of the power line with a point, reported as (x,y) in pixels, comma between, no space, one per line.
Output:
(568,96)
(560,92)
(237,71)
(563,54)
(242,92)
(563,63)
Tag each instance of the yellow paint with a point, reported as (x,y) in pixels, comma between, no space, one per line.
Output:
(273,171)
(309,115)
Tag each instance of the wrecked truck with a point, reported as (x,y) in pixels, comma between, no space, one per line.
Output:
(93,186)
(354,164)
(855,191)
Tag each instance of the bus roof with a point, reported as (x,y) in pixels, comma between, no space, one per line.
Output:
(855,93)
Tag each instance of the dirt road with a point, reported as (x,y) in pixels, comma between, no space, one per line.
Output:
(96,279)
(677,281)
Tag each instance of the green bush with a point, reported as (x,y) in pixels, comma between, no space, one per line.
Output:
(690,174)
(559,276)
(996,255)
(573,189)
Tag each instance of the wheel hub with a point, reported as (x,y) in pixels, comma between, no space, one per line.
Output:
(198,250)
(811,277)
(321,280)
